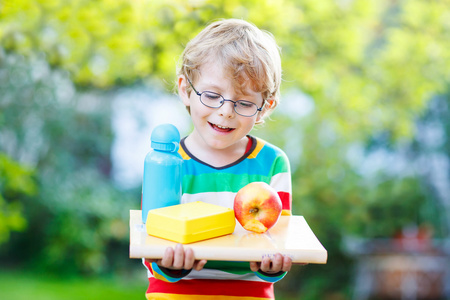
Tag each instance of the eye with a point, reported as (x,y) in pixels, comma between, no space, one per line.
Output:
(211,96)
(245,104)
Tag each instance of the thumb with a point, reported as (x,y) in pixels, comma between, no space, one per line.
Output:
(254,266)
(200,264)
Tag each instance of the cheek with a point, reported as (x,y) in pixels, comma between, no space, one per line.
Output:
(199,111)
(248,123)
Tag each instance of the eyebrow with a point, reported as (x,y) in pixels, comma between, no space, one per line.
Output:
(213,87)
(218,89)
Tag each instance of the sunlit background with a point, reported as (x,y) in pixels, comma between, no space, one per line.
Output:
(364,119)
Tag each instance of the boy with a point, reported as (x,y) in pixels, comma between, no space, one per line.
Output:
(228,80)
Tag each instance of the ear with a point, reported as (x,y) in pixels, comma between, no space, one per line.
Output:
(268,105)
(182,90)
(259,116)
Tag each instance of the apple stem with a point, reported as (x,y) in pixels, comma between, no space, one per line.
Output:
(253,210)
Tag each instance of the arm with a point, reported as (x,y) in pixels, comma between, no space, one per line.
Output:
(281,181)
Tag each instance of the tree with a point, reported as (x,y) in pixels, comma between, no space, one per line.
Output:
(72,211)
(370,66)
(16,183)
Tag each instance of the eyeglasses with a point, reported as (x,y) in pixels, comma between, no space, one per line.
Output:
(214,100)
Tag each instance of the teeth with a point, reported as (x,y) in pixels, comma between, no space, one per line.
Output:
(222,127)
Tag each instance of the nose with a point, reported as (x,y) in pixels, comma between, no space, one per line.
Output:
(227,109)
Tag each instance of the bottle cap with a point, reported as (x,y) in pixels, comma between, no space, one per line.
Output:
(165,137)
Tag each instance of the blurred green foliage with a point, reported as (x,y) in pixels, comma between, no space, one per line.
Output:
(338,201)
(369,65)
(370,69)
(72,211)
(16,183)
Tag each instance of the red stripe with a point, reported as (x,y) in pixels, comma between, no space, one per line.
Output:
(238,288)
(285,200)
(249,145)
(149,267)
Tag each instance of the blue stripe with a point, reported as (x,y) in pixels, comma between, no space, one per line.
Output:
(272,279)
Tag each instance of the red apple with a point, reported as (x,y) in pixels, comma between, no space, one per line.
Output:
(257,207)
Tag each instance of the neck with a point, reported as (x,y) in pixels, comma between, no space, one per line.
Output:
(216,157)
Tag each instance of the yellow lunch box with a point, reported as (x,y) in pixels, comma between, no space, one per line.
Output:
(190,222)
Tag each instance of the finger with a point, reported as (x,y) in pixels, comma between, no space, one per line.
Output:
(189,259)
(287,264)
(167,260)
(277,263)
(265,264)
(198,265)
(254,266)
(178,258)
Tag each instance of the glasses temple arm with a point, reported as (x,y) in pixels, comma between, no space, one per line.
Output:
(198,94)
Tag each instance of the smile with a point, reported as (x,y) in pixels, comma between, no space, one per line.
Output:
(220,127)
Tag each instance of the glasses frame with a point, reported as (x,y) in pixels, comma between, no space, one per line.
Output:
(258,109)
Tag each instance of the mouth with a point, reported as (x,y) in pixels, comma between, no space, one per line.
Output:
(221,128)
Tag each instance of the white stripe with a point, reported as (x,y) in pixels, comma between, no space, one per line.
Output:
(225,199)
(221,275)
(281,182)
(149,274)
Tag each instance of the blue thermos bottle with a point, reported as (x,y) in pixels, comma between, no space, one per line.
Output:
(161,184)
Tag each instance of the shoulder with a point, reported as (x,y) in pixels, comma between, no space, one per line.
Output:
(264,148)
(185,154)
(270,155)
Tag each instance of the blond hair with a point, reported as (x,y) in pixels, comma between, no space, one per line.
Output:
(249,56)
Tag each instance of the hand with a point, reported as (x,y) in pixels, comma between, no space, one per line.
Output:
(179,259)
(276,264)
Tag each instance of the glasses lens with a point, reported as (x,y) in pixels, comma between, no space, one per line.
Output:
(245,108)
(242,107)
(211,99)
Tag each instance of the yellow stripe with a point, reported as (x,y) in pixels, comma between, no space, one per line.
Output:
(183,153)
(160,277)
(161,296)
(259,144)
(286,212)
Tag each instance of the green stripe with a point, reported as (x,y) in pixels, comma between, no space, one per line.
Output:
(219,182)
(234,267)
(280,166)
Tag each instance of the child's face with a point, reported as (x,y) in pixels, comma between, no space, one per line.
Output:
(219,128)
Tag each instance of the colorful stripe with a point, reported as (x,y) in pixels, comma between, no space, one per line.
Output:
(222,198)
(160,296)
(259,146)
(161,275)
(281,182)
(183,153)
(286,201)
(219,182)
(240,288)
(271,278)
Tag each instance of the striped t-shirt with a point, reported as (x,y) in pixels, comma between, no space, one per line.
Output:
(202,182)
